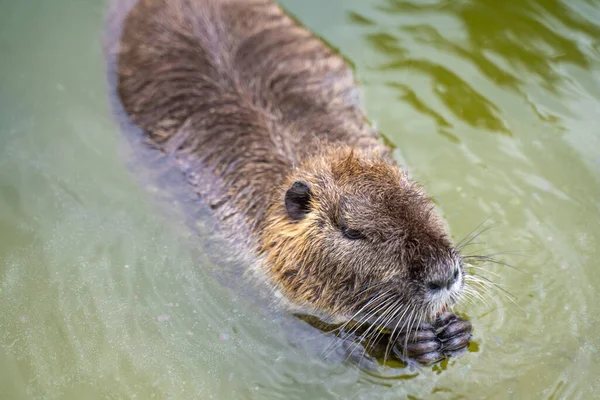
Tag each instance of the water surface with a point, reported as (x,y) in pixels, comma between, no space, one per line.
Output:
(107,292)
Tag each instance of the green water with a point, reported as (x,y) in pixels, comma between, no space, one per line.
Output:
(104,292)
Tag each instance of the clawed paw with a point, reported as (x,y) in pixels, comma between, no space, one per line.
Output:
(454,332)
(449,336)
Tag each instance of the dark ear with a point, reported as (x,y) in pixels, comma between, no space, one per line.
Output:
(297,200)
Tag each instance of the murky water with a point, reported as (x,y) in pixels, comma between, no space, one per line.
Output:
(105,291)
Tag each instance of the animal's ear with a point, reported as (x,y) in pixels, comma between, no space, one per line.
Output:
(297,200)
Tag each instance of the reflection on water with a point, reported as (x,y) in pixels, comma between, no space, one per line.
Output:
(456,94)
(503,40)
(105,292)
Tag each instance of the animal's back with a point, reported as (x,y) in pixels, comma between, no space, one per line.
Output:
(236,88)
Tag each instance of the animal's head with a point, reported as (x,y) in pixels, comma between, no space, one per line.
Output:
(351,235)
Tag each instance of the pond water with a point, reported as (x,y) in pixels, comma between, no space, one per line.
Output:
(105,291)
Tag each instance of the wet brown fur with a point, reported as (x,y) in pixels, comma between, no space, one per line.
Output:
(249,102)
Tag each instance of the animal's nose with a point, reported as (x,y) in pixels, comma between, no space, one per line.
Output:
(439,284)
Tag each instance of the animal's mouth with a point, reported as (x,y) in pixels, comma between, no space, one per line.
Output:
(443,310)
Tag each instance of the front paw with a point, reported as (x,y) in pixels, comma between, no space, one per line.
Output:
(422,345)
(449,336)
(454,333)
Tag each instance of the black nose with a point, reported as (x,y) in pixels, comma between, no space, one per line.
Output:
(436,285)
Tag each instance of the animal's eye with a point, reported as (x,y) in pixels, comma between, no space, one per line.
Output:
(352,234)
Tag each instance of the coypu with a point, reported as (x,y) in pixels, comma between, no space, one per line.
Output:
(265,121)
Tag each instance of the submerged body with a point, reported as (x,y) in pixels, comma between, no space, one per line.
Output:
(265,121)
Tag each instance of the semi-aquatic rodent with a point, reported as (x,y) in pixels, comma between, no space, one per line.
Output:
(265,120)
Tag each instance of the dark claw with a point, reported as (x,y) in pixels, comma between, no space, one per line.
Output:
(424,358)
(418,336)
(457,342)
(430,358)
(413,349)
(455,328)
(444,319)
